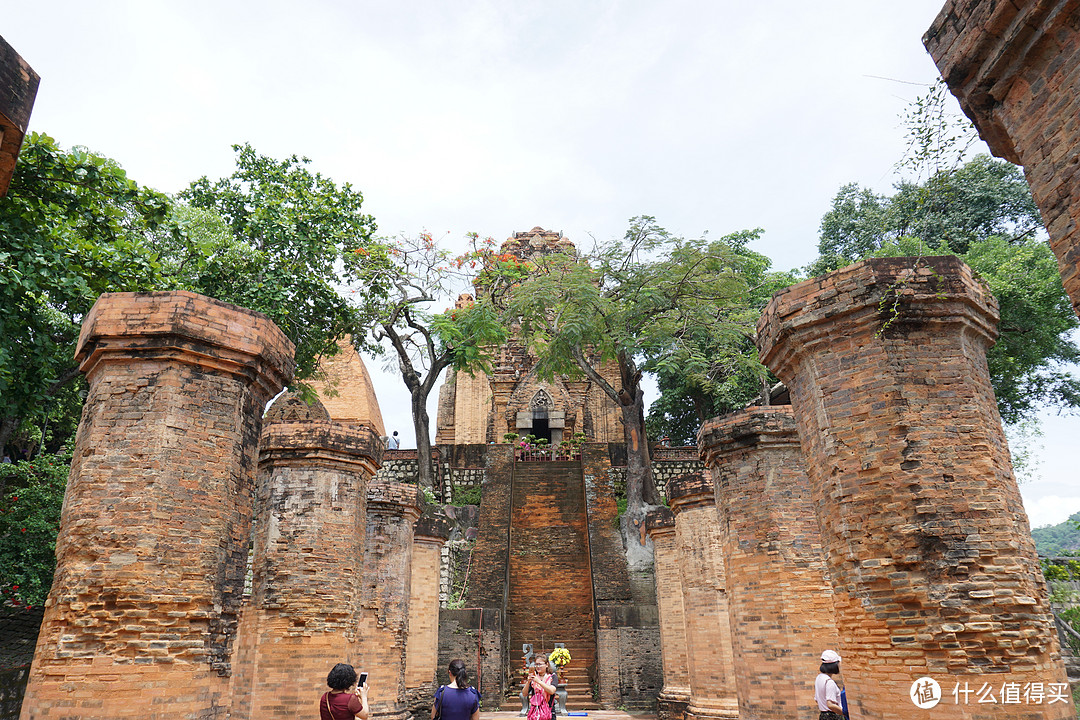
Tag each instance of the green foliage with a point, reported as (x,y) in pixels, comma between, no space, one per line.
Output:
(647,303)
(277,238)
(1059,540)
(468,495)
(30,503)
(72,226)
(982,212)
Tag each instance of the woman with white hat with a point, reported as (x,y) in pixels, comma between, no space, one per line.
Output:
(826,689)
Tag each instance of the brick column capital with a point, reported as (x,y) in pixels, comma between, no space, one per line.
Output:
(689,491)
(886,296)
(394,498)
(758,426)
(660,522)
(432,528)
(982,48)
(189,328)
(328,444)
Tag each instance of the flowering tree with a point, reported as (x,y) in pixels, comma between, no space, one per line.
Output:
(416,275)
(640,303)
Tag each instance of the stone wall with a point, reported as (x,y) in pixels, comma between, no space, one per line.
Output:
(475,637)
(932,564)
(1015,69)
(155,527)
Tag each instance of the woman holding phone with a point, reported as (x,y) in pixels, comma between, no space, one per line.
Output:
(539,686)
(347,698)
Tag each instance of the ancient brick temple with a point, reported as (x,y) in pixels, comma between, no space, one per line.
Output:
(1014,67)
(926,542)
(149,615)
(481,409)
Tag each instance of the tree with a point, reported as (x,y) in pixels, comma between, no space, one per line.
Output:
(416,273)
(31,495)
(277,238)
(638,303)
(981,211)
(728,376)
(72,226)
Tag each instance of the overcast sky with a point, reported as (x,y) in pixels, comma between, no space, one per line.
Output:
(496,117)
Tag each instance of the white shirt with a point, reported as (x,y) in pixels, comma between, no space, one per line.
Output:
(825,689)
(392,443)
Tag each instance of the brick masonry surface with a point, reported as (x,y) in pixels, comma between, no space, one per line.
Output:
(710,664)
(475,637)
(422,649)
(20,85)
(309,540)
(928,548)
(392,511)
(675,694)
(1015,68)
(779,594)
(141,619)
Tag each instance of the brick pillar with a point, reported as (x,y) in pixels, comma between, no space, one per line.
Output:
(154,533)
(779,594)
(675,695)
(430,533)
(709,662)
(306,581)
(1013,66)
(392,509)
(933,566)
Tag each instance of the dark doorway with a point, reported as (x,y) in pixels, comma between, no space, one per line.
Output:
(540,429)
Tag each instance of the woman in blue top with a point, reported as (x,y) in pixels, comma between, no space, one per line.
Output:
(456,701)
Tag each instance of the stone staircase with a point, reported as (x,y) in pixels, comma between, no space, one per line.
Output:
(549,597)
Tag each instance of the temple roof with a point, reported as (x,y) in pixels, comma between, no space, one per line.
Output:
(348,393)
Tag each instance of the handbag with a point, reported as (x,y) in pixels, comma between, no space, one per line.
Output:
(438,703)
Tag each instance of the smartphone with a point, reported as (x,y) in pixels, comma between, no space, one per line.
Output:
(363,680)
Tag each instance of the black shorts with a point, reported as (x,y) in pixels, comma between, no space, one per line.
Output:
(829,715)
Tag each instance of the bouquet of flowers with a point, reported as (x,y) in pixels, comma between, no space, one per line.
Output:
(560,656)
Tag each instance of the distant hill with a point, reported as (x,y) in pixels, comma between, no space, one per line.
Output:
(1058,539)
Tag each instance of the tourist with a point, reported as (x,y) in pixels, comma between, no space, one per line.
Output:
(456,701)
(539,687)
(346,699)
(827,687)
(392,442)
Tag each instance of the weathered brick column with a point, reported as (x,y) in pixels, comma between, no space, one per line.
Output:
(1015,70)
(392,510)
(709,663)
(933,566)
(430,533)
(306,574)
(779,595)
(154,534)
(675,695)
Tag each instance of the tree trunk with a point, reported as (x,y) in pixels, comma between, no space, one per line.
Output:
(421,426)
(641,494)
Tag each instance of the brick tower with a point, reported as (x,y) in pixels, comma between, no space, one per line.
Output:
(392,510)
(779,595)
(710,664)
(430,533)
(307,567)
(154,533)
(675,695)
(1014,68)
(932,563)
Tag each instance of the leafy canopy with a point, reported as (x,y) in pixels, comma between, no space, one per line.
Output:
(982,212)
(277,238)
